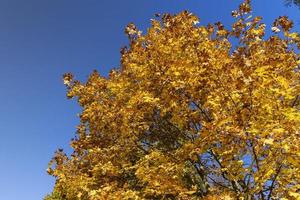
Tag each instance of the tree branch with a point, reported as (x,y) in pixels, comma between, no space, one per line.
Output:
(273,182)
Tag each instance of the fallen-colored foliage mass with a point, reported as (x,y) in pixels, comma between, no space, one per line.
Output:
(193,112)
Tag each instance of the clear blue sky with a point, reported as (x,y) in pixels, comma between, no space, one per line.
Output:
(42,39)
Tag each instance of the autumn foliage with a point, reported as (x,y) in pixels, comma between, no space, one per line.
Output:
(193,112)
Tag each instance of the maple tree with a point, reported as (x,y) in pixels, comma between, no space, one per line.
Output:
(193,112)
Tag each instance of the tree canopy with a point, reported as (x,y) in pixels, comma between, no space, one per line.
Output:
(193,112)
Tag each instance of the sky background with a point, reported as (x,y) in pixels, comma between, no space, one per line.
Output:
(40,40)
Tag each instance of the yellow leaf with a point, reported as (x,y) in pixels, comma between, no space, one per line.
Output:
(268,141)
